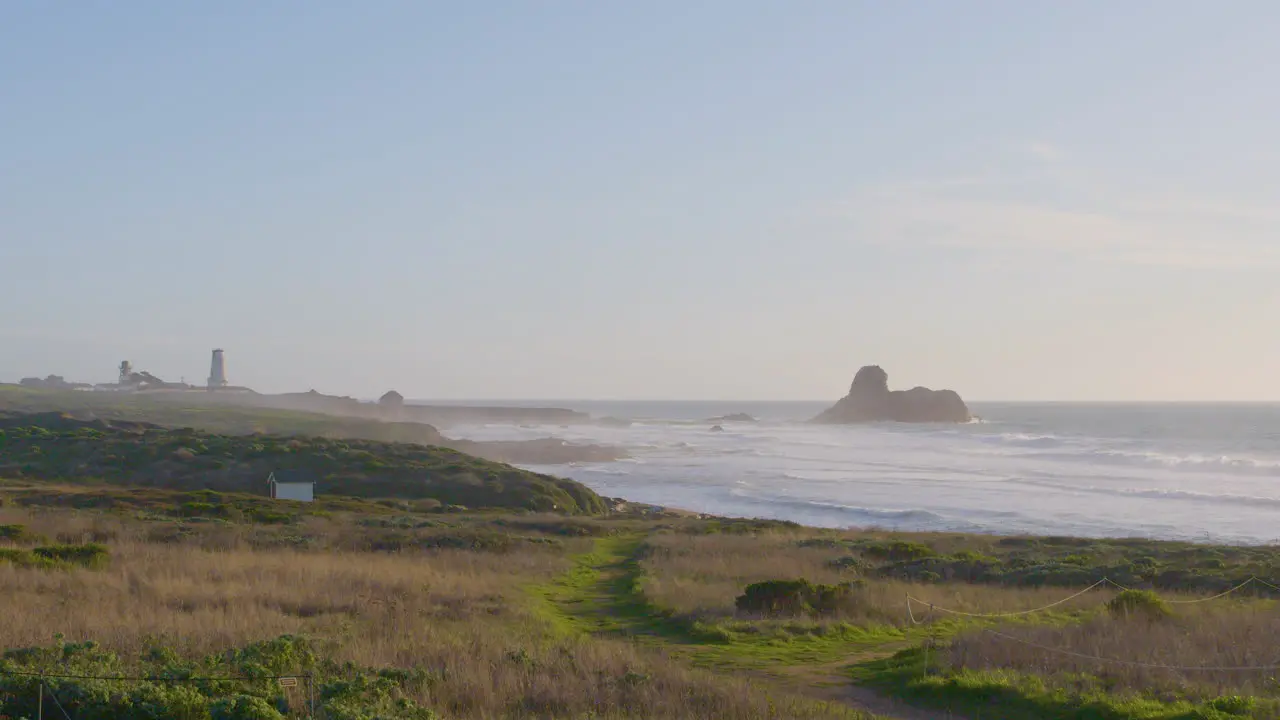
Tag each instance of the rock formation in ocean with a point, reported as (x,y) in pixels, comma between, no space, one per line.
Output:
(871,400)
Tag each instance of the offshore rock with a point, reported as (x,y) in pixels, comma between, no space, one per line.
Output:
(871,400)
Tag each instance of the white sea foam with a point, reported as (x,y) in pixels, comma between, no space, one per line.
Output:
(1197,473)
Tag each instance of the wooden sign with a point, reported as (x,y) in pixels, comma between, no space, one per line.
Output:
(288,681)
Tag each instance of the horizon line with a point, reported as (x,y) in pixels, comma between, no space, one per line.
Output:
(728,400)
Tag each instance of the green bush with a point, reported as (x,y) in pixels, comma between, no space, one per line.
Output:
(89,555)
(849,563)
(52,557)
(19,534)
(24,559)
(1140,603)
(244,707)
(794,597)
(198,509)
(477,539)
(1241,705)
(363,696)
(898,550)
(973,556)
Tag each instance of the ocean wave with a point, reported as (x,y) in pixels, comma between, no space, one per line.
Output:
(817,475)
(1146,458)
(604,470)
(1160,493)
(1026,439)
(909,515)
(1054,448)
(1194,460)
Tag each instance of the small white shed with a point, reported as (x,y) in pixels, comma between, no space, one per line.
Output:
(286,486)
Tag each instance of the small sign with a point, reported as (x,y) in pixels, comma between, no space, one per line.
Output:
(288,682)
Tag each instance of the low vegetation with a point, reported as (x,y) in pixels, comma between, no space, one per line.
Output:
(140,581)
(388,612)
(62,448)
(977,647)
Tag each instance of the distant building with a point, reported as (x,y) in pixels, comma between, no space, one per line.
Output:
(291,485)
(217,371)
(391,404)
(53,382)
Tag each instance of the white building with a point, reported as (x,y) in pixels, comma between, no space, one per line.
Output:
(288,485)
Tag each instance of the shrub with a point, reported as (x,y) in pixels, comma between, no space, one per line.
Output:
(794,597)
(1240,705)
(849,563)
(19,534)
(267,516)
(973,556)
(372,697)
(198,509)
(1143,603)
(89,555)
(244,707)
(477,539)
(24,559)
(898,550)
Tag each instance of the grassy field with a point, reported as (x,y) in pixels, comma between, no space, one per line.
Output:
(395,609)
(397,613)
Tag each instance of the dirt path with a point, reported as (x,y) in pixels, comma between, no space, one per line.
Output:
(599,596)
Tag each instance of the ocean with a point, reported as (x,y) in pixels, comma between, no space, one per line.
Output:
(1204,472)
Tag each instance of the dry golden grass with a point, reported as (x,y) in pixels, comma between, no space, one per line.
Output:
(461,615)
(703,575)
(1221,634)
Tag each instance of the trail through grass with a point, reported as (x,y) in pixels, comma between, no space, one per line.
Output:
(602,595)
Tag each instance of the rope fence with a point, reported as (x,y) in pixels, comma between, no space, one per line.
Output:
(911,616)
(152,678)
(1104,581)
(1019,613)
(1241,586)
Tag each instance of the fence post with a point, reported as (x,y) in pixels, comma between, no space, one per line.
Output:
(40,702)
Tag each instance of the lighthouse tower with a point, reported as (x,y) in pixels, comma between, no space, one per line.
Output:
(217,371)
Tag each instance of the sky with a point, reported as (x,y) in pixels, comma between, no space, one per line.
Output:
(1020,200)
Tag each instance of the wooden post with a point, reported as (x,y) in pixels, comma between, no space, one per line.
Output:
(40,702)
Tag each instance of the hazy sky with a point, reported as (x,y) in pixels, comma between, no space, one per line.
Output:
(1030,199)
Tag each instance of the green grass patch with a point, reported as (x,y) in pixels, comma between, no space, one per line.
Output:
(58,557)
(19,534)
(197,689)
(918,675)
(602,594)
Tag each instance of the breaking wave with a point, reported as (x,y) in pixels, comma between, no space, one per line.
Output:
(1177,472)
